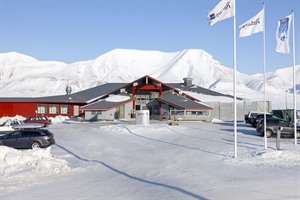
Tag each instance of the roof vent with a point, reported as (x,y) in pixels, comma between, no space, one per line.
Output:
(188,82)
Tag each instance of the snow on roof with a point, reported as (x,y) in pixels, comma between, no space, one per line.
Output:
(117,98)
(209,98)
(182,102)
(109,102)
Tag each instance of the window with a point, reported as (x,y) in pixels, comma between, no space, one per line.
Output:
(93,112)
(204,113)
(34,133)
(156,110)
(65,109)
(200,113)
(42,108)
(14,134)
(53,109)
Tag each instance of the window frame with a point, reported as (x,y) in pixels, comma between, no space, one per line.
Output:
(42,109)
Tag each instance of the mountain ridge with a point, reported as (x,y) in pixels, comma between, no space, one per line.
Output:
(22,75)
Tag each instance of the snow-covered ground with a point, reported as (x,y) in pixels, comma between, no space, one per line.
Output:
(110,160)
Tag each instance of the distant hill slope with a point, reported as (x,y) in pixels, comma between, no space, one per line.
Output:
(22,75)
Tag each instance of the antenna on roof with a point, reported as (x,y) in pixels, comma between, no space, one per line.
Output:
(68,89)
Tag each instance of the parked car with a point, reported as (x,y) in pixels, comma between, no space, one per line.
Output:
(260,116)
(272,127)
(28,138)
(38,119)
(251,116)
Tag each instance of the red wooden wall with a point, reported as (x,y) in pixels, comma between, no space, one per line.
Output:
(17,108)
(27,109)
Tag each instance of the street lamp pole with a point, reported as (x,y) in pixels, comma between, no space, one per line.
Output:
(286,107)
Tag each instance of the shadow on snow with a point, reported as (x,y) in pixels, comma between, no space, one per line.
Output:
(196,196)
(173,144)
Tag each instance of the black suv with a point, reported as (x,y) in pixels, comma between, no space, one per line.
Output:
(251,116)
(260,116)
(28,138)
(272,127)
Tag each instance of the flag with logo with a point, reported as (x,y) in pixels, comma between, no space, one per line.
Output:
(223,10)
(283,35)
(254,25)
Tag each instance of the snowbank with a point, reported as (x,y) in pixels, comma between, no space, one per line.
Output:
(214,120)
(22,161)
(17,117)
(267,158)
(57,119)
(21,169)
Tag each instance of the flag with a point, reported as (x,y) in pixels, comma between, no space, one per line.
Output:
(223,10)
(254,25)
(283,35)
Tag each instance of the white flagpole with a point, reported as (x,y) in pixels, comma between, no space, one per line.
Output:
(294,79)
(234,85)
(265,110)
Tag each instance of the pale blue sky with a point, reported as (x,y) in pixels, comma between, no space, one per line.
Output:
(77,30)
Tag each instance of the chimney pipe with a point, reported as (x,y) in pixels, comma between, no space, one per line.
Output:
(188,82)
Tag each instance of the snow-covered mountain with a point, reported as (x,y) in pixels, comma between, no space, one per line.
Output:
(22,75)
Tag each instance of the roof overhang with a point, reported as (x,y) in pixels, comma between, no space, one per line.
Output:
(102,105)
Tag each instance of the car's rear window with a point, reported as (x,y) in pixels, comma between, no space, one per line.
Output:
(47,132)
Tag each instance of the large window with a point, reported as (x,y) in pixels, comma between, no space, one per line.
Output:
(96,112)
(202,113)
(42,109)
(53,109)
(65,109)
(199,113)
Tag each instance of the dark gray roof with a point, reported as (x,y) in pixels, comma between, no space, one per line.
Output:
(198,89)
(100,90)
(182,102)
(18,99)
(104,105)
(84,96)
(92,94)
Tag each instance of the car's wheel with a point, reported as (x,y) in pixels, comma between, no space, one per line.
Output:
(268,133)
(35,145)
